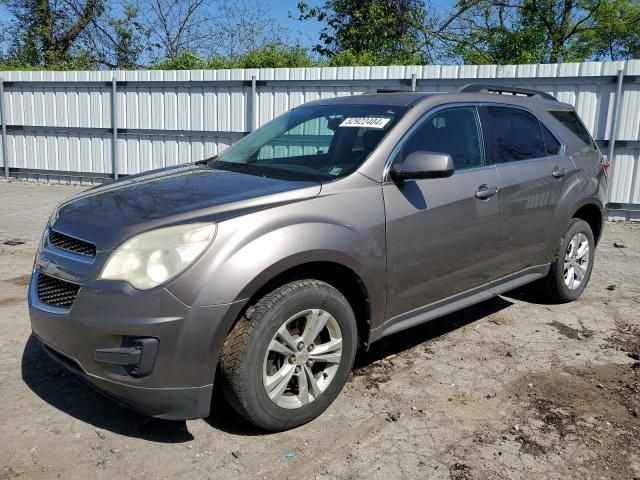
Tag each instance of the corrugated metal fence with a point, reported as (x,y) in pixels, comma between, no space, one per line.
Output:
(88,126)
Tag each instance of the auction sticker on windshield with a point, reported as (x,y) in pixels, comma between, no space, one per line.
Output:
(367,122)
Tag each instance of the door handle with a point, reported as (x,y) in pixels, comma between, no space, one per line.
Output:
(485,192)
(559,172)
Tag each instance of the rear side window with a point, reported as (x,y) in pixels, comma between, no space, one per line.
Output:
(516,135)
(551,143)
(454,131)
(572,122)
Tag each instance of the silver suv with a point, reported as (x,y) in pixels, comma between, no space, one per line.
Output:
(342,221)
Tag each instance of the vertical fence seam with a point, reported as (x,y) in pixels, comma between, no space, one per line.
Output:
(5,150)
(114,128)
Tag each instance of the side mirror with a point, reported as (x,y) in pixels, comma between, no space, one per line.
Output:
(420,164)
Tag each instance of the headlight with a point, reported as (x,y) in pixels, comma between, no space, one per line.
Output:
(152,258)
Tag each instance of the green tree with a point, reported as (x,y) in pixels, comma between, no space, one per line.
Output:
(562,22)
(45,32)
(368,31)
(524,31)
(185,60)
(119,41)
(495,34)
(276,56)
(268,56)
(616,32)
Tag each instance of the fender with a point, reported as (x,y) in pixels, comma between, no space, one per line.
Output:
(250,250)
(300,259)
(565,209)
(597,203)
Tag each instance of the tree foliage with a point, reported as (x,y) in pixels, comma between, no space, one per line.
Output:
(47,34)
(616,32)
(488,35)
(268,56)
(368,31)
(527,31)
(119,41)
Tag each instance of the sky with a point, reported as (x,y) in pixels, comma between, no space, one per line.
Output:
(308,31)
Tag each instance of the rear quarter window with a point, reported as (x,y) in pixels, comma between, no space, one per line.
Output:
(551,143)
(570,120)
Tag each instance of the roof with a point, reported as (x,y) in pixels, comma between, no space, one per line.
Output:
(468,93)
(403,99)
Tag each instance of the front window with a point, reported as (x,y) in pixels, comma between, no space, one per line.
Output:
(454,131)
(317,143)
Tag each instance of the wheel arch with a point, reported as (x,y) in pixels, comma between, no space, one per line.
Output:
(337,274)
(591,213)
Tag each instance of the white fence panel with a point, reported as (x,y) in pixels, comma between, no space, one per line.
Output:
(59,123)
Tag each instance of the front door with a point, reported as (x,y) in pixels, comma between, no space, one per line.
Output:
(442,234)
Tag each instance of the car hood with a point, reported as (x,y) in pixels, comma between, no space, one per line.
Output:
(109,214)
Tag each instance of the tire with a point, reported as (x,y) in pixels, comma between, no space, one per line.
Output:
(249,362)
(555,286)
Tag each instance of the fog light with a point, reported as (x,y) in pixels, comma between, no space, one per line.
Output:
(137,355)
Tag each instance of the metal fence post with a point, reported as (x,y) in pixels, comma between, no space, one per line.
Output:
(254,99)
(413,82)
(613,134)
(114,128)
(5,155)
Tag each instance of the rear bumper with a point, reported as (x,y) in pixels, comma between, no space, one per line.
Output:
(105,315)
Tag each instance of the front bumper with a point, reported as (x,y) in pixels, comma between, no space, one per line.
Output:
(105,314)
(167,403)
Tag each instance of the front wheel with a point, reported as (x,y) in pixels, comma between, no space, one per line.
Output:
(572,265)
(290,355)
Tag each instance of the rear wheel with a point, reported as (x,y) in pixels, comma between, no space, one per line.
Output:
(290,355)
(572,265)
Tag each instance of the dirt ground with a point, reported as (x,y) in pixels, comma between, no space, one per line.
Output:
(511,388)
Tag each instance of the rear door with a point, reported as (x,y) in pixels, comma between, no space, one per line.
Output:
(442,234)
(533,170)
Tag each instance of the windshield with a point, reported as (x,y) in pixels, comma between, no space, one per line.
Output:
(316,143)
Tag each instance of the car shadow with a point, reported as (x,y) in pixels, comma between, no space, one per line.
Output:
(407,339)
(413,194)
(77,398)
(224,418)
(74,396)
(530,294)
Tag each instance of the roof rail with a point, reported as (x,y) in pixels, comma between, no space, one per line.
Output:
(392,90)
(501,90)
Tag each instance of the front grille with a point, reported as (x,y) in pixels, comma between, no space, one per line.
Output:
(55,292)
(70,244)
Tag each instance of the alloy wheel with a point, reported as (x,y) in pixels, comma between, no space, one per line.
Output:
(576,261)
(302,358)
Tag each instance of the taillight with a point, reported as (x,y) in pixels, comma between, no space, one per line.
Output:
(604,161)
